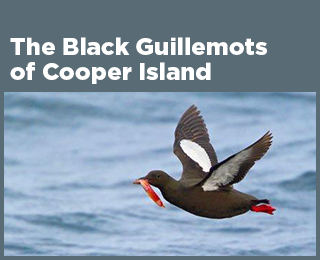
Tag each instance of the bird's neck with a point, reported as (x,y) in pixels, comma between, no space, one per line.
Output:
(169,188)
(172,184)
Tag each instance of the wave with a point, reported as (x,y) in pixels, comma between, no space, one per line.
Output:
(74,186)
(239,230)
(12,194)
(299,143)
(293,96)
(51,105)
(78,222)
(304,182)
(21,249)
(25,111)
(11,162)
(22,110)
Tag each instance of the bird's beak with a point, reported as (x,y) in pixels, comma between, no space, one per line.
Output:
(151,193)
(137,181)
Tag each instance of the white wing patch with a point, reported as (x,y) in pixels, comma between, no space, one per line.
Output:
(226,172)
(196,153)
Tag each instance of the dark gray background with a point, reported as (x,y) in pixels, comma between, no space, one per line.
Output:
(290,29)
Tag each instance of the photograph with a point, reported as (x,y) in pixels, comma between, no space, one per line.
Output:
(160,173)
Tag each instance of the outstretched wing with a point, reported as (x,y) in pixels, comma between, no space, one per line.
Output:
(235,168)
(192,145)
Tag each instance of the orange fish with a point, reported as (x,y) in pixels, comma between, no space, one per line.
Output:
(151,193)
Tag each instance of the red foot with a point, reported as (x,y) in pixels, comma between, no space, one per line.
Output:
(265,208)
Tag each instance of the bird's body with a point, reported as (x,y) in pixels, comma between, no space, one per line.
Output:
(206,186)
(209,204)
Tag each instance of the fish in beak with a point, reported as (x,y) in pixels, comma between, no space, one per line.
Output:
(151,193)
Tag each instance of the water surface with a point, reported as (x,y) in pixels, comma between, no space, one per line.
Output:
(70,159)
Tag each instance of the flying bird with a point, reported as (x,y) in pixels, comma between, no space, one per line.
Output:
(206,187)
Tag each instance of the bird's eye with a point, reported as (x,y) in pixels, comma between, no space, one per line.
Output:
(158,176)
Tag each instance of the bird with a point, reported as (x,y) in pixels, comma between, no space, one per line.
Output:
(205,188)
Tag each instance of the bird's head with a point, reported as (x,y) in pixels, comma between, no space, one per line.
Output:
(156,178)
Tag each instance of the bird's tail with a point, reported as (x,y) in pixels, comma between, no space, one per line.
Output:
(265,207)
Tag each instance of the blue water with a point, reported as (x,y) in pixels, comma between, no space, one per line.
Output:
(70,159)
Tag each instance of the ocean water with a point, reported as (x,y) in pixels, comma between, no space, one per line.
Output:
(70,159)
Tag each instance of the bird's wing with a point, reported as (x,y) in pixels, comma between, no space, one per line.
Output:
(235,168)
(192,145)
